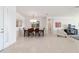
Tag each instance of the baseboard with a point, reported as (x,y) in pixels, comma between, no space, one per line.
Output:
(9,44)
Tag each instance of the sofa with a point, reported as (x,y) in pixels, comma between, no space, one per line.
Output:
(71,30)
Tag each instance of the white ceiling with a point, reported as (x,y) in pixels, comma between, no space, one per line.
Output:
(47,10)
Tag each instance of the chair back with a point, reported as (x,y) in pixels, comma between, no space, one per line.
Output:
(37,30)
(31,30)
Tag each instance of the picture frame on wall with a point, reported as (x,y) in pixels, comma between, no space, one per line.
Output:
(18,23)
(57,24)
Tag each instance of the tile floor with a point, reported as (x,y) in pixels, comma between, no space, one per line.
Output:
(46,44)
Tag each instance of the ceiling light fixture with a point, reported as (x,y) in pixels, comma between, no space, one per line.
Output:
(33,20)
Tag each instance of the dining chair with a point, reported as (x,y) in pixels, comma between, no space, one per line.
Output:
(31,32)
(37,32)
(25,32)
(42,32)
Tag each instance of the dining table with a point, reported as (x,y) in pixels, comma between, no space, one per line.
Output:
(40,31)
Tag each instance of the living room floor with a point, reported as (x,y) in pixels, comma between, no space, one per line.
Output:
(46,44)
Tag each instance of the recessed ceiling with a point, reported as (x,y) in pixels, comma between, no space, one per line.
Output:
(50,10)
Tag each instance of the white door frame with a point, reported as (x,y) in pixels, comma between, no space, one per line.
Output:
(1,28)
